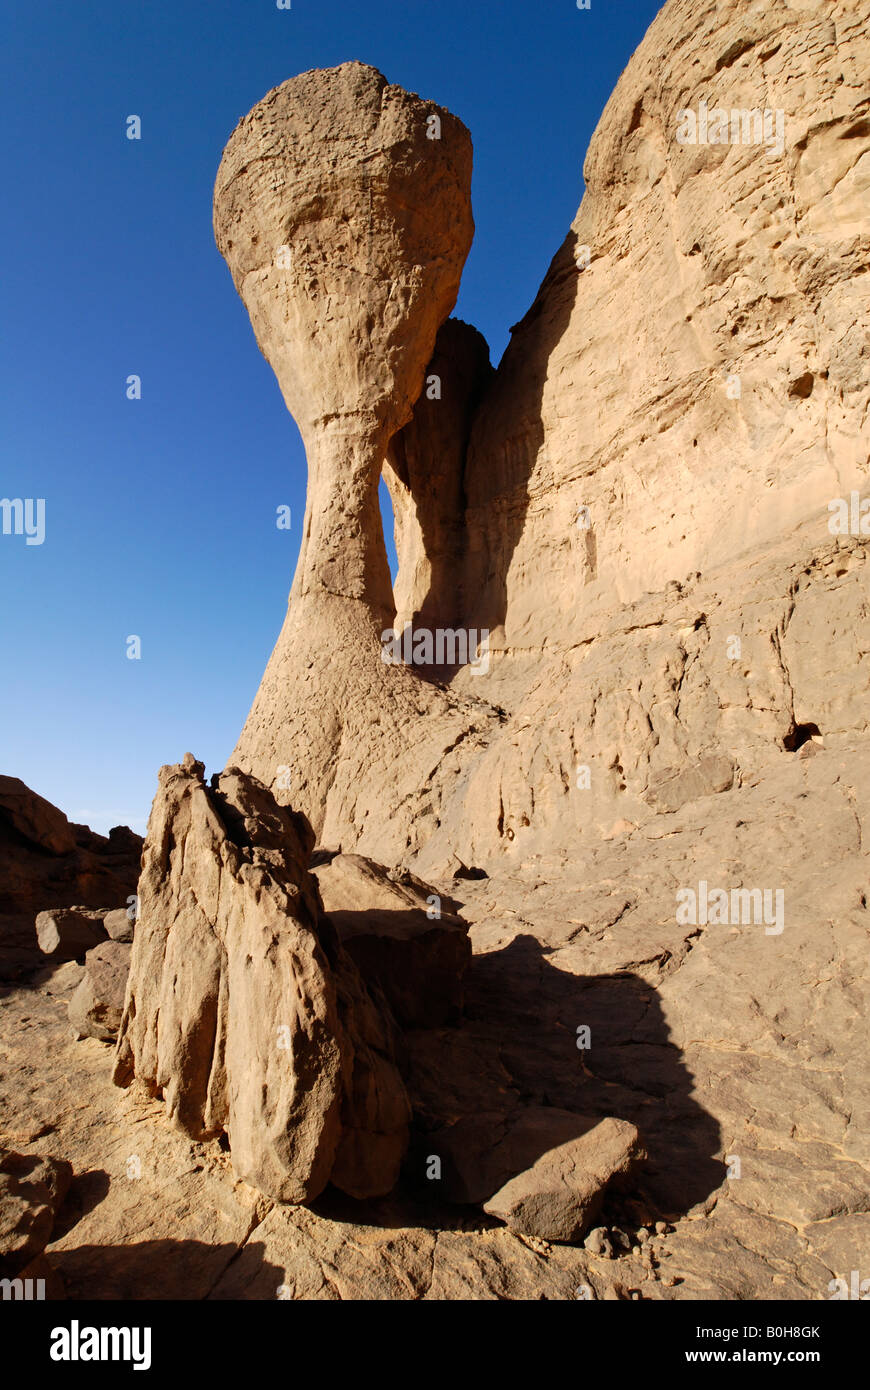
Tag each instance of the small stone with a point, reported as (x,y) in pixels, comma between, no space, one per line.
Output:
(118,925)
(598,1243)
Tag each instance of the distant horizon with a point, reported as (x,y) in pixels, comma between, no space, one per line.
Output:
(160,509)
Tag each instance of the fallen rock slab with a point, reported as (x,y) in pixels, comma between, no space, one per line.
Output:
(563,1191)
(482,1153)
(97,1006)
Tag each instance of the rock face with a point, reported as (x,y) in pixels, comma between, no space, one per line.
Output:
(97,1006)
(640,506)
(401,935)
(242,1008)
(34,819)
(47,862)
(696,468)
(425,474)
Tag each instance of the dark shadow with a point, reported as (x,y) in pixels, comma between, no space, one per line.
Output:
(167,1269)
(517,1047)
(521,376)
(798,735)
(408,1206)
(86,1191)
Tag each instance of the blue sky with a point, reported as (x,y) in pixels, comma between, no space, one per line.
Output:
(160,513)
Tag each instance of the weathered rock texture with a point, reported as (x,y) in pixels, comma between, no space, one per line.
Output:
(47,862)
(677,696)
(425,474)
(32,1189)
(678,686)
(242,1008)
(97,1006)
(560,1194)
(401,935)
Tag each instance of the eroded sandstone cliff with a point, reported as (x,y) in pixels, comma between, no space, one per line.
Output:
(651,801)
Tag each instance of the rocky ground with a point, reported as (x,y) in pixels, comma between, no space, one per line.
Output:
(719,1043)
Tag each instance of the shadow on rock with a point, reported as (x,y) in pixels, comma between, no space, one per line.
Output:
(152,1269)
(536,1036)
(86,1191)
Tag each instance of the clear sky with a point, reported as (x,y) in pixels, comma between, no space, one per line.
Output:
(160,512)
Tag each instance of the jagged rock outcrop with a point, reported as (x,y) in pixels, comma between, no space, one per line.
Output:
(34,819)
(243,1010)
(48,862)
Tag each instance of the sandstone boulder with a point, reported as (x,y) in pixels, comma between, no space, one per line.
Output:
(69,932)
(563,1191)
(97,1005)
(538,1164)
(401,934)
(242,1008)
(119,925)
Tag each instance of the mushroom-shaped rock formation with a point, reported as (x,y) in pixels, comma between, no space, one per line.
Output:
(342,207)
